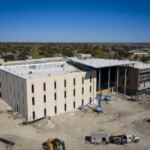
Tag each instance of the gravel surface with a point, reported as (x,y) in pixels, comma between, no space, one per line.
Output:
(72,127)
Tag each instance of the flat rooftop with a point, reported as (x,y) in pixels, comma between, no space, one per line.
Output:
(142,66)
(34,61)
(44,70)
(101,63)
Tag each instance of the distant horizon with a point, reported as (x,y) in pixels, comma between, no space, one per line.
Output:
(77,42)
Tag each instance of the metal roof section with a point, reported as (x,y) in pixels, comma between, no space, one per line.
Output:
(34,61)
(145,50)
(142,66)
(43,70)
(101,63)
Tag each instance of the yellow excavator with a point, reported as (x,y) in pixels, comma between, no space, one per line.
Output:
(54,144)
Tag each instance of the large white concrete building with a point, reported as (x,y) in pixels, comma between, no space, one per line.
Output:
(39,90)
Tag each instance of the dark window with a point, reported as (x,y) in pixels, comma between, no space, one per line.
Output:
(65,107)
(74,104)
(90,78)
(64,94)
(74,92)
(33,115)
(55,85)
(64,83)
(55,109)
(32,88)
(0,95)
(90,89)
(90,100)
(74,82)
(82,80)
(33,101)
(82,90)
(44,98)
(0,84)
(44,112)
(55,96)
(82,102)
(128,82)
(44,86)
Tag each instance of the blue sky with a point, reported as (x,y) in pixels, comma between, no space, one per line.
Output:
(75,20)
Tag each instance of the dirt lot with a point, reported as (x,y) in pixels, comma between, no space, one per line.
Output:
(72,127)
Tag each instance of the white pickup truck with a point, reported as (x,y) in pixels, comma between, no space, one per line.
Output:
(132,138)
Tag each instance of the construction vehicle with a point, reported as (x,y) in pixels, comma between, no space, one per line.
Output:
(134,98)
(98,138)
(54,144)
(115,138)
(122,138)
(98,108)
(107,98)
(118,138)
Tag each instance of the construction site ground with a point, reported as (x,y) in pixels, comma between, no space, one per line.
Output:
(72,127)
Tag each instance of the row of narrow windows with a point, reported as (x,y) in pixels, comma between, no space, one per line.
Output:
(55,95)
(73,92)
(55,109)
(55,85)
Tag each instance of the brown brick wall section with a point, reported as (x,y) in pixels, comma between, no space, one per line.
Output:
(132,78)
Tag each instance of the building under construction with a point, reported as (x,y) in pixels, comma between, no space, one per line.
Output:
(44,88)
(138,78)
(108,72)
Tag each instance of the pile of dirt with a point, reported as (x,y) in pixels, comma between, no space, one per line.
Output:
(3,146)
(48,124)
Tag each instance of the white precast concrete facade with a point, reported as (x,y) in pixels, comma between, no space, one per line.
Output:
(34,96)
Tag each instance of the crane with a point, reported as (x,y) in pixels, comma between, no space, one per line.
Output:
(98,108)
